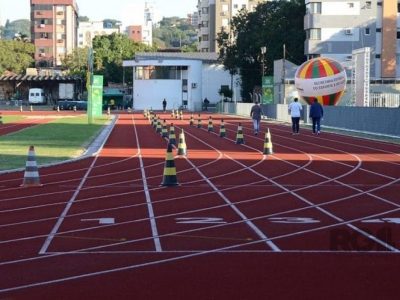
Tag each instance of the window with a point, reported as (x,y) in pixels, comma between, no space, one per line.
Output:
(235,6)
(313,34)
(368,4)
(204,37)
(204,10)
(225,8)
(350,4)
(377,56)
(348,31)
(225,22)
(204,23)
(367,31)
(379,30)
(398,34)
(158,72)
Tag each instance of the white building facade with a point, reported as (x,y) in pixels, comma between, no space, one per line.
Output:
(335,28)
(183,79)
(88,30)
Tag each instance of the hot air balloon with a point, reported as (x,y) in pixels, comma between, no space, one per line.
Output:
(322,78)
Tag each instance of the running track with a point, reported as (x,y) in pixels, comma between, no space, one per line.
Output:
(317,219)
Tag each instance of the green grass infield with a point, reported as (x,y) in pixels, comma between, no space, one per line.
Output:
(59,140)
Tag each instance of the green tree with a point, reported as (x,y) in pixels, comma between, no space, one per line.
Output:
(76,62)
(110,51)
(15,56)
(271,25)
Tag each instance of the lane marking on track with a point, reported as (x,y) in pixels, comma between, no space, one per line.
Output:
(100,220)
(152,219)
(366,234)
(246,220)
(200,220)
(212,237)
(145,264)
(70,237)
(61,218)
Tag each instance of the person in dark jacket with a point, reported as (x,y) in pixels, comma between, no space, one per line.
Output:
(164,105)
(316,114)
(255,114)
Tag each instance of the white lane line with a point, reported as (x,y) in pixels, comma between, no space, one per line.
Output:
(152,219)
(54,231)
(155,262)
(247,221)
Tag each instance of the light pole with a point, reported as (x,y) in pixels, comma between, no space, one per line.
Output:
(263,51)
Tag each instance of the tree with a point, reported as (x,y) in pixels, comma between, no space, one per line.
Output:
(272,24)
(15,56)
(110,51)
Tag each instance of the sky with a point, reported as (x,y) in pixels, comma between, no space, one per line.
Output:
(97,10)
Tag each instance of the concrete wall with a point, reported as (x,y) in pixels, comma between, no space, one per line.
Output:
(385,121)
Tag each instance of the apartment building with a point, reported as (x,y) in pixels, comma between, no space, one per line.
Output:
(215,16)
(88,30)
(334,28)
(54,26)
(144,17)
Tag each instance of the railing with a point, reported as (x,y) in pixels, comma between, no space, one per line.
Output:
(384,100)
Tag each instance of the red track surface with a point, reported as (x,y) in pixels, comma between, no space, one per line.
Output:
(317,219)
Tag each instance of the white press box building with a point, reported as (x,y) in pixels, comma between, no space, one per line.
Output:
(183,79)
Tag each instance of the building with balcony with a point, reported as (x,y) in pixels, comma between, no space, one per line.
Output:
(335,28)
(54,26)
(215,16)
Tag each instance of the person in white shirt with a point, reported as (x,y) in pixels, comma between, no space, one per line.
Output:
(295,109)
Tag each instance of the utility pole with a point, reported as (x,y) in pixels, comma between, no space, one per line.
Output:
(283,74)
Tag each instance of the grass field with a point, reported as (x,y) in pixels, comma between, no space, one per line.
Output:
(59,140)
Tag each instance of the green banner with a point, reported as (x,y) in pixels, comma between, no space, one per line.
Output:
(95,98)
(268,89)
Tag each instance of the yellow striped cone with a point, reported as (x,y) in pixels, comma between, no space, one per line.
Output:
(31,175)
(108,111)
(239,135)
(199,122)
(172,137)
(177,114)
(58,108)
(31,108)
(222,131)
(164,131)
(210,126)
(182,149)
(181,115)
(21,109)
(74,107)
(268,143)
(172,114)
(1,119)
(169,176)
(191,120)
(158,127)
(145,113)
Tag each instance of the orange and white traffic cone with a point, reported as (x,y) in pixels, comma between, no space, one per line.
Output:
(31,175)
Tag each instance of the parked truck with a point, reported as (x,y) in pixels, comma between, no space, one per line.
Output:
(66,91)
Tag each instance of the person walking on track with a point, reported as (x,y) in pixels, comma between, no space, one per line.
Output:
(316,114)
(164,105)
(295,109)
(255,114)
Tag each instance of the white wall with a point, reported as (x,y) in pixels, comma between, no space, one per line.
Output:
(213,77)
(150,94)
(338,34)
(340,8)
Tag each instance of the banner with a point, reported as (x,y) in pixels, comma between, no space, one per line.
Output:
(267,89)
(95,98)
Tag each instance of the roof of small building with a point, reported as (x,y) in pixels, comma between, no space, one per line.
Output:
(204,56)
(38,78)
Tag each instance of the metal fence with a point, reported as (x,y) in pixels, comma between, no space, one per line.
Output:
(384,100)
